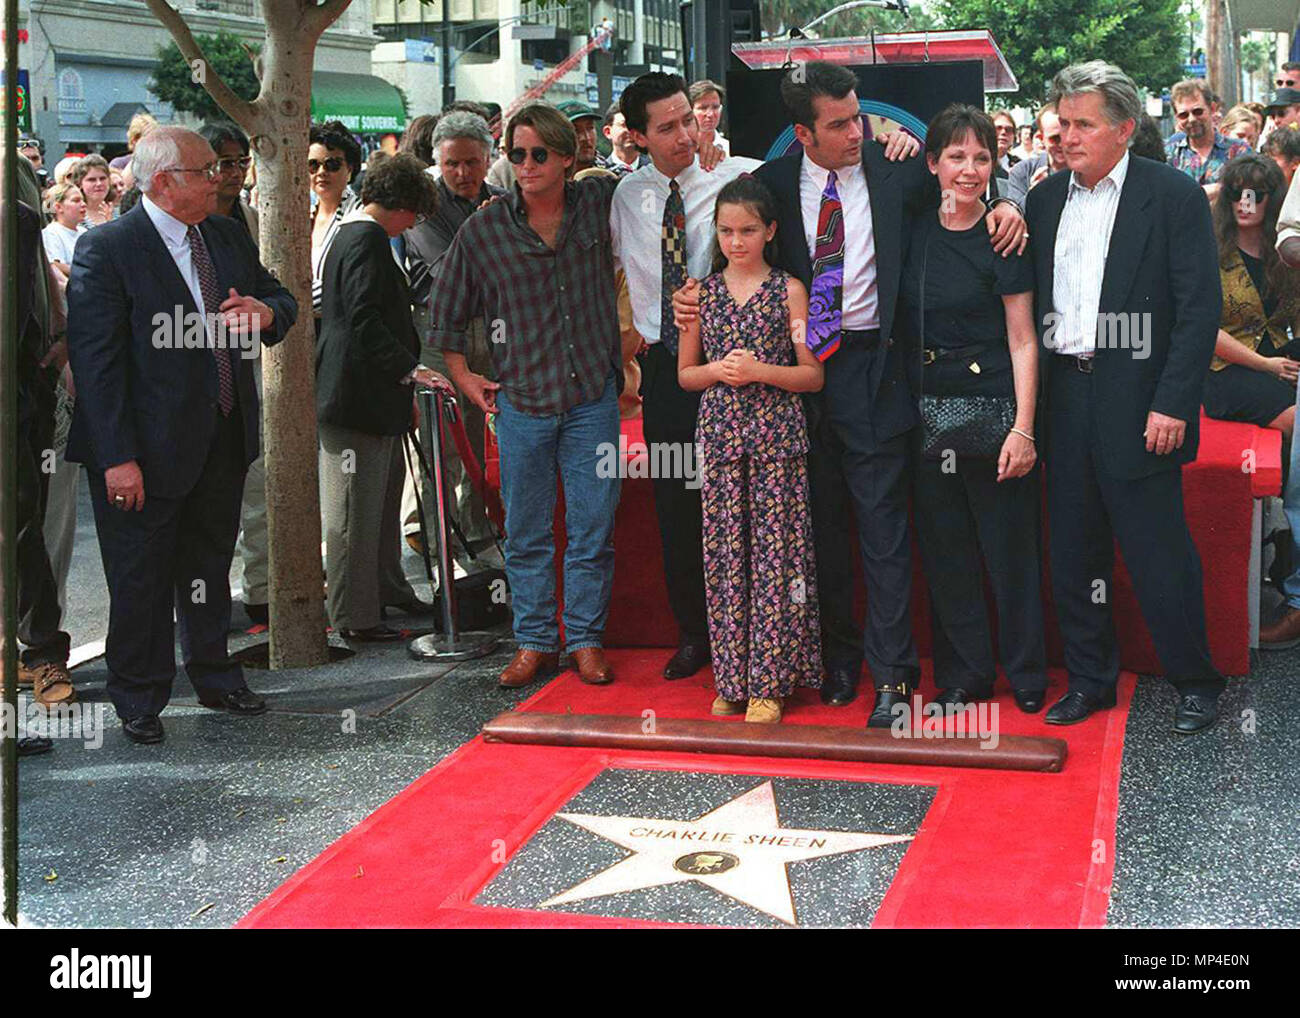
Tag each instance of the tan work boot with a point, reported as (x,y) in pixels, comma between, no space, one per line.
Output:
(764,710)
(723,707)
(52,684)
(526,666)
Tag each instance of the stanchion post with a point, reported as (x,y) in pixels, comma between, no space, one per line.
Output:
(451,645)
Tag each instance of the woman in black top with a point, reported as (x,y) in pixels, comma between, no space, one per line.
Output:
(366,362)
(978,340)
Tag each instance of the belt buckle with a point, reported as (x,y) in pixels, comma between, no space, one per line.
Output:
(1084,364)
(927,356)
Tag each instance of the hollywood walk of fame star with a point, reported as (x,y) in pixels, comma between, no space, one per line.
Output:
(739,849)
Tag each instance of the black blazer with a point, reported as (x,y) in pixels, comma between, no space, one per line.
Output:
(1162,274)
(898,192)
(367,341)
(137,400)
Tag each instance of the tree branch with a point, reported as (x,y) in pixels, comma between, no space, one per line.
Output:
(241,111)
(321,16)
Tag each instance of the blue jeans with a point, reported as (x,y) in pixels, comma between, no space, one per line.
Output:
(1291,506)
(534,451)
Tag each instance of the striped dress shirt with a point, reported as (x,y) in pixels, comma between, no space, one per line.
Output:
(349,202)
(1082,241)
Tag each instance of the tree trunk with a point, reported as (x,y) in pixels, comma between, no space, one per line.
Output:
(277,123)
(289,367)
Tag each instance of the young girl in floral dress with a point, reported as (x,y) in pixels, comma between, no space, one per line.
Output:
(746,352)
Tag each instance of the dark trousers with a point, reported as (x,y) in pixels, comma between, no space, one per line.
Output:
(39,615)
(966,521)
(175,553)
(1088,509)
(850,465)
(668,414)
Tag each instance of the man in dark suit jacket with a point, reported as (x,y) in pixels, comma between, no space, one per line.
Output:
(1128,304)
(166,421)
(859,423)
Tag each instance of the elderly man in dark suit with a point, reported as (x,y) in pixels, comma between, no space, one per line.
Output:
(164,306)
(859,425)
(1128,304)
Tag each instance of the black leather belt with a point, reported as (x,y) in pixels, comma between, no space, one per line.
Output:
(1083,364)
(868,338)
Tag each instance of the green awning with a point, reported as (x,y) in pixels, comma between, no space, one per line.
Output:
(364,103)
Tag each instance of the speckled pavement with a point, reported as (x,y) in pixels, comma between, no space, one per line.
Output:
(195,832)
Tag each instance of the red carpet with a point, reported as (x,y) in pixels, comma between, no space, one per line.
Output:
(996,849)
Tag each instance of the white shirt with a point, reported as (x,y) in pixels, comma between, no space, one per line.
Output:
(859,301)
(1288,220)
(173,233)
(636,218)
(59,242)
(1082,242)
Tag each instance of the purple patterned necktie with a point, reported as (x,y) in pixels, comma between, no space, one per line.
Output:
(212,306)
(825,314)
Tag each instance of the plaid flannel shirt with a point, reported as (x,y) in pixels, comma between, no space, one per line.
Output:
(552,315)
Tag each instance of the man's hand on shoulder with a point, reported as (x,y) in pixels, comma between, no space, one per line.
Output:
(899,145)
(1008,231)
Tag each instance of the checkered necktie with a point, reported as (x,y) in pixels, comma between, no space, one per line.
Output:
(825,311)
(212,305)
(673,251)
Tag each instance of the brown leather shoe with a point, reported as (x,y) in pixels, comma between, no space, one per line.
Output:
(1283,633)
(593,669)
(52,684)
(526,666)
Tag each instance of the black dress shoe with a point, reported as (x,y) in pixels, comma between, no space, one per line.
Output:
(958,697)
(1076,706)
(34,745)
(840,687)
(882,713)
(258,614)
(238,701)
(146,729)
(375,634)
(1030,700)
(412,607)
(688,660)
(1195,713)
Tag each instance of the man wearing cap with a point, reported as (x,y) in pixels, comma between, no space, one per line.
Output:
(584,120)
(1283,108)
(1198,149)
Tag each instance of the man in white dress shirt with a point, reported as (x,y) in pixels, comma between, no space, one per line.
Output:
(662,123)
(1122,239)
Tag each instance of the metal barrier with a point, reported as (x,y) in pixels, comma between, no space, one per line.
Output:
(436,407)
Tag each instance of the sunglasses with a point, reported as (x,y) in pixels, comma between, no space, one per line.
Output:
(518,155)
(1259,197)
(237,163)
(332,165)
(1286,82)
(1197,113)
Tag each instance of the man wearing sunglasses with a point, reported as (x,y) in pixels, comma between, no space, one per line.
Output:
(538,265)
(1197,149)
(166,422)
(233,160)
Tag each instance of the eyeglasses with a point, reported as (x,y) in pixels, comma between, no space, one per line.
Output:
(518,155)
(332,165)
(210,172)
(1286,82)
(1198,112)
(1257,196)
(234,163)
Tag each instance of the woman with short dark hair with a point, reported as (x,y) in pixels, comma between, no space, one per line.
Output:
(333,162)
(970,312)
(366,362)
